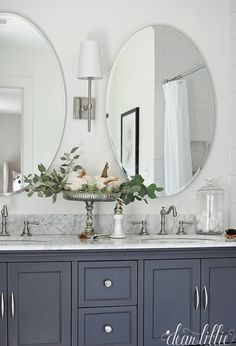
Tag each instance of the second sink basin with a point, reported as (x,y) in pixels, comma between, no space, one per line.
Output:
(179,239)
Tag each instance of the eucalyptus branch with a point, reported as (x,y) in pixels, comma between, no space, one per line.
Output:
(51,184)
(135,189)
(46,184)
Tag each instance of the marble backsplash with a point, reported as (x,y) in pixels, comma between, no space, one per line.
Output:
(74,224)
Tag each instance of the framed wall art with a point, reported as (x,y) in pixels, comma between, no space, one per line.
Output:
(130,141)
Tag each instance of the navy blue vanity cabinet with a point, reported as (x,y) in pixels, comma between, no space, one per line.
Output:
(218,293)
(107,301)
(3,305)
(118,298)
(171,296)
(39,307)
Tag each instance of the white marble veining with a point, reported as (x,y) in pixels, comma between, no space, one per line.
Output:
(74,224)
(72,242)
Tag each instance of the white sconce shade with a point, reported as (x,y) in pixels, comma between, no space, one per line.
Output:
(90,66)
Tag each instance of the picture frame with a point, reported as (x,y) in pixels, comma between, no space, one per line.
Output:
(129,149)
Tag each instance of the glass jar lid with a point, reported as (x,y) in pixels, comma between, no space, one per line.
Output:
(210,186)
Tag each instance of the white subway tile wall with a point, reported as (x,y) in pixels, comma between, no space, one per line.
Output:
(232,17)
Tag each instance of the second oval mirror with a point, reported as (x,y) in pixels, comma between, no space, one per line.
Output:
(160,108)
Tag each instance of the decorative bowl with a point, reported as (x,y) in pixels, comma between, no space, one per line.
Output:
(88,197)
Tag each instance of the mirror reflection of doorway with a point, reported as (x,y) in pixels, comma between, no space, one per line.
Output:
(10,146)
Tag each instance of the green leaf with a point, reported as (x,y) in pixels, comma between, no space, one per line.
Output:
(74,150)
(136,180)
(63,158)
(76,157)
(143,191)
(135,188)
(54,198)
(41,168)
(76,168)
(151,189)
(29,194)
(40,194)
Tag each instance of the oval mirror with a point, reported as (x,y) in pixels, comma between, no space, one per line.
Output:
(160,108)
(32,101)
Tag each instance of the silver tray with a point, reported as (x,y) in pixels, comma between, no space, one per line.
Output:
(89,197)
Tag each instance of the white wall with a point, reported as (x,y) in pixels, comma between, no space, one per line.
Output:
(112,22)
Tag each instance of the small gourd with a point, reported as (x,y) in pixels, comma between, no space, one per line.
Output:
(99,181)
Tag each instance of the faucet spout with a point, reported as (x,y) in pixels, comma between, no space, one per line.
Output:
(173,209)
(163,213)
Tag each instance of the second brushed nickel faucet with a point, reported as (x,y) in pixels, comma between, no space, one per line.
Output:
(163,213)
(143,230)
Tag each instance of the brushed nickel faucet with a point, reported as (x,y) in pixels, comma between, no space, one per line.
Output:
(163,213)
(26,230)
(4,213)
(143,230)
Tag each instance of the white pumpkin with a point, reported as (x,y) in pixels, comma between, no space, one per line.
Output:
(90,180)
(99,182)
(113,182)
(74,182)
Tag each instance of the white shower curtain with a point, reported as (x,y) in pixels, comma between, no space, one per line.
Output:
(177,150)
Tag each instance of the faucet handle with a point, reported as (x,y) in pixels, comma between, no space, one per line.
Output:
(181,226)
(26,230)
(143,223)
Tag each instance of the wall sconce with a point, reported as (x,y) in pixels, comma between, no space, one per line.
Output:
(89,68)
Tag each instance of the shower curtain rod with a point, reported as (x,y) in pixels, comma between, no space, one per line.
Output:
(182,75)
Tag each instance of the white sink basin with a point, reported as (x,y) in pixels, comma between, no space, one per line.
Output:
(20,240)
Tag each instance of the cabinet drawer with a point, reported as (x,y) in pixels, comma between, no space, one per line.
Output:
(108,326)
(107,283)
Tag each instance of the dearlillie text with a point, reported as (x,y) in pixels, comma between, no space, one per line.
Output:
(209,336)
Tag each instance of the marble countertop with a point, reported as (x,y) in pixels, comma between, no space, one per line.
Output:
(72,242)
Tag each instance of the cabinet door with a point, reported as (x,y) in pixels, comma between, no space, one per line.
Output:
(39,311)
(171,290)
(218,294)
(3,304)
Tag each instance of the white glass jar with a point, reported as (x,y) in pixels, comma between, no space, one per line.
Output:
(210,209)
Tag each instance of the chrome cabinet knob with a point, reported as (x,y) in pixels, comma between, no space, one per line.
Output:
(108,329)
(108,283)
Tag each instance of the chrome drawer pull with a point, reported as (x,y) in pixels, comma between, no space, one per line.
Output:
(197,299)
(2,306)
(108,329)
(108,283)
(206,298)
(12,306)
